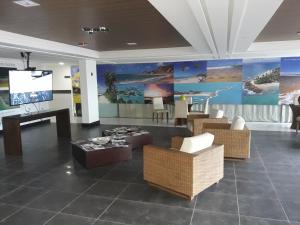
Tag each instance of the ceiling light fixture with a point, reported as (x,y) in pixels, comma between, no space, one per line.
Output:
(94,30)
(61,63)
(131,43)
(298,33)
(26,3)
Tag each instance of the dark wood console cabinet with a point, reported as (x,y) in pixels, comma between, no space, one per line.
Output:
(12,127)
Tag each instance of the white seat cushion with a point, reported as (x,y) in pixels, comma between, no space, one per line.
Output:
(216,113)
(197,143)
(238,123)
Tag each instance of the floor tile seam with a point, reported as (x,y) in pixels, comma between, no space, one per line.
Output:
(155,203)
(278,199)
(191,220)
(237,197)
(53,188)
(67,205)
(120,181)
(111,221)
(108,207)
(52,211)
(23,207)
(12,191)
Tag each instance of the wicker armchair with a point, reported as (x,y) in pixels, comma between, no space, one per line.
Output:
(195,122)
(236,142)
(182,173)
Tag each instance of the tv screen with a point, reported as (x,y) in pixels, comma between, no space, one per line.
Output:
(30,86)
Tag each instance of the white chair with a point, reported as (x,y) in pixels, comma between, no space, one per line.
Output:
(181,112)
(158,108)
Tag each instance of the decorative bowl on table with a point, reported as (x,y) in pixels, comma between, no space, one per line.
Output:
(101,140)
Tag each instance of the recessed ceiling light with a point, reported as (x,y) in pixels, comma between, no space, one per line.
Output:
(131,43)
(298,33)
(61,63)
(26,3)
(82,44)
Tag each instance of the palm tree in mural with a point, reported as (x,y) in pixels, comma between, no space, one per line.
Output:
(111,91)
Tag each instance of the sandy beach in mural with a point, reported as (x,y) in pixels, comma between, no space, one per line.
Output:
(190,80)
(289,87)
(224,74)
(144,78)
(103,99)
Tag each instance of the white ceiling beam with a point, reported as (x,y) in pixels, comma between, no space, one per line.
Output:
(153,55)
(238,12)
(217,16)
(18,41)
(197,9)
(252,21)
(181,17)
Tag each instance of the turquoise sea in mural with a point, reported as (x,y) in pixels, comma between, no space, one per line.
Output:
(130,93)
(261,81)
(268,98)
(218,93)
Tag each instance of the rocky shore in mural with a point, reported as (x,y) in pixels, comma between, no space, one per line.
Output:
(261,82)
(264,82)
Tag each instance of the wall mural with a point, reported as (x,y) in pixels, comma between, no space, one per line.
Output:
(289,79)
(261,81)
(4,89)
(232,81)
(75,76)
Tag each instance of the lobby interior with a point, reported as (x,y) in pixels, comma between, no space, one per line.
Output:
(178,112)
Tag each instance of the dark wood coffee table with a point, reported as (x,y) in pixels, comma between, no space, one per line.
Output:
(90,158)
(133,135)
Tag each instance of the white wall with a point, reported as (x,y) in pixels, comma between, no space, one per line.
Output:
(89,91)
(60,83)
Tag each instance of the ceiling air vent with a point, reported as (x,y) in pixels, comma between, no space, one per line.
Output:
(26,3)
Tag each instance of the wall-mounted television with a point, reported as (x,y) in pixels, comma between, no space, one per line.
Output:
(30,86)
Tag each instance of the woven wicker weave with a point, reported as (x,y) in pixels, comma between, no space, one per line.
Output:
(196,123)
(182,173)
(236,142)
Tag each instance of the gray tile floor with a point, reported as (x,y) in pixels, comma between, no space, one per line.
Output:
(46,186)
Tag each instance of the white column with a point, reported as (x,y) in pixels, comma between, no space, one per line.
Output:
(89,92)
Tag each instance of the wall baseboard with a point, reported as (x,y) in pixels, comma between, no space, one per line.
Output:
(96,123)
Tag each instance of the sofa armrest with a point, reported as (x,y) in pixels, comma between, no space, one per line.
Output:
(224,126)
(198,123)
(176,142)
(191,117)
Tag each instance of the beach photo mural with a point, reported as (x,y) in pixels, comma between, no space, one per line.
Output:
(166,91)
(289,80)
(227,70)
(220,82)
(217,93)
(125,83)
(261,81)
(4,89)
(190,72)
(269,81)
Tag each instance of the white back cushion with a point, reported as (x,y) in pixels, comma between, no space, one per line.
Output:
(238,123)
(197,143)
(158,103)
(216,113)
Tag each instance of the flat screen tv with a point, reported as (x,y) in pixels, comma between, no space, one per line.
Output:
(30,86)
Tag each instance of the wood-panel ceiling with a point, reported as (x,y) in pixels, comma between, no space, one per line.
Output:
(61,21)
(284,24)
